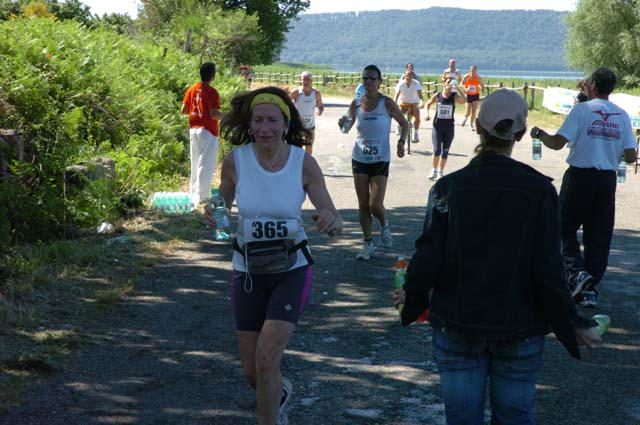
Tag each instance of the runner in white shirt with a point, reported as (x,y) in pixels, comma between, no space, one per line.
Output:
(307,98)
(409,92)
(598,134)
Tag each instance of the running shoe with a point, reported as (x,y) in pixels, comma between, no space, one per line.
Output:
(584,282)
(385,236)
(589,299)
(367,251)
(472,127)
(415,137)
(283,419)
(464,121)
(434,174)
(439,174)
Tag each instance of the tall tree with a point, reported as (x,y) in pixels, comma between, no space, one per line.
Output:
(274,17)
(606,33)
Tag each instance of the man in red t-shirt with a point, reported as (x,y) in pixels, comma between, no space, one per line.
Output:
(202,103)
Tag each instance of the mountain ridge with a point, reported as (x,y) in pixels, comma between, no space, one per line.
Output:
(493,39)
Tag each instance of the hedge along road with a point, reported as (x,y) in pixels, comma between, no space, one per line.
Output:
(168,354)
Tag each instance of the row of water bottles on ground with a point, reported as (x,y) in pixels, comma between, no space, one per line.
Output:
(536,155)
(183,202)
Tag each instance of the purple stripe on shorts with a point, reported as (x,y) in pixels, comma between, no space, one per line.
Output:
(306,291)
(232,291)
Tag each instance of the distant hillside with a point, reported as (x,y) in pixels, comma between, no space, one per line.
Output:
(497,40)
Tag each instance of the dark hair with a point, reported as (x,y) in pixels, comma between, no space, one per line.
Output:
(373,68)
(236,123)
(407,65)
(491,143)
(605,80)
(207,71)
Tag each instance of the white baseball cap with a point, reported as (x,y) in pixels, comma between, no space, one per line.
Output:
(502,105)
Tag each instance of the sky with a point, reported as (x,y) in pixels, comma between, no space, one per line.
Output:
(101,7)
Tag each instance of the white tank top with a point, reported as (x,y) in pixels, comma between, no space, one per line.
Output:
(306,106)
(268,201)
(372,140)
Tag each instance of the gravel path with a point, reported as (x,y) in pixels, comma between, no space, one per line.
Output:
(167,354)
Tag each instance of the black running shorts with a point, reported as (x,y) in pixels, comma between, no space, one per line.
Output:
(275,296)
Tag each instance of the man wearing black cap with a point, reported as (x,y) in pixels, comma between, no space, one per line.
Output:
(488,267)
(598,134)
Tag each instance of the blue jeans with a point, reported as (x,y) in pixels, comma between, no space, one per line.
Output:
(465,364)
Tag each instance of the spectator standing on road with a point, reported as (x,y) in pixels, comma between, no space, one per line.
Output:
(443,129)
(307,98)
(598,134)
(488,267)
(371,156)
(202,103)
(409,92)
(472,83)
(269,176)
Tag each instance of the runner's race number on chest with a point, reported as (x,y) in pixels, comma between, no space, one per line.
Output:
(268,229)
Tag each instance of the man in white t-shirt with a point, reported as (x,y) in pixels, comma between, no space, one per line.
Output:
(409,92)
(598,134)
(307,98)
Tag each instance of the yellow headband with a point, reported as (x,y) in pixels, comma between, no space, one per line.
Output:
(271,99)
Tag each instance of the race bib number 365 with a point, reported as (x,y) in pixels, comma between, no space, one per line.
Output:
(266,229)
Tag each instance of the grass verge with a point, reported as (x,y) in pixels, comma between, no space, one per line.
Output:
(51,295)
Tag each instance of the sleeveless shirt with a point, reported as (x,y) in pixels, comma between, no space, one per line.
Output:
(306,106)
(372,140)
(268,197)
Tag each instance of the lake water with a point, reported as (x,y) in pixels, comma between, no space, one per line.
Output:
(494,74)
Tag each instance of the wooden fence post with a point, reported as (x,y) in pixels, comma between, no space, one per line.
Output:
(524,89)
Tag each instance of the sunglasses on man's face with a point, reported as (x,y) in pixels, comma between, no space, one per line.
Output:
(365,78)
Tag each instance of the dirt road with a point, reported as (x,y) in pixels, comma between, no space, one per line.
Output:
(167,355)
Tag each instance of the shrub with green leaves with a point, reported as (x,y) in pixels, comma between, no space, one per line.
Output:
(75,94)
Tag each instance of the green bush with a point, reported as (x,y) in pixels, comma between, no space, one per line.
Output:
(77,93)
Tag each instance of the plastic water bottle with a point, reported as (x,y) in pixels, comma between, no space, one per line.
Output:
(346,123)
(603,324)
(536,149)
(622,170)
(219,214)
(400,277)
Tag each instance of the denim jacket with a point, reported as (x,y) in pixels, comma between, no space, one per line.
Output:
(488,262)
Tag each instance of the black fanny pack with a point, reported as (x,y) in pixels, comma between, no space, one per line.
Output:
(276,256)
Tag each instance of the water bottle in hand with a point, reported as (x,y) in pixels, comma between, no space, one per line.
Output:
(346,122)
(219,214)
(536,149)
(400,277)
(622,170)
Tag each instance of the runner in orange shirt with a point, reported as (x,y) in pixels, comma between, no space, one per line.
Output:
(472,83)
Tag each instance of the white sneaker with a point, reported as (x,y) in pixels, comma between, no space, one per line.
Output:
(367,251)
(416,138)
(464,121)
(434,174)
(439,174)
(283,419)
(385,236)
